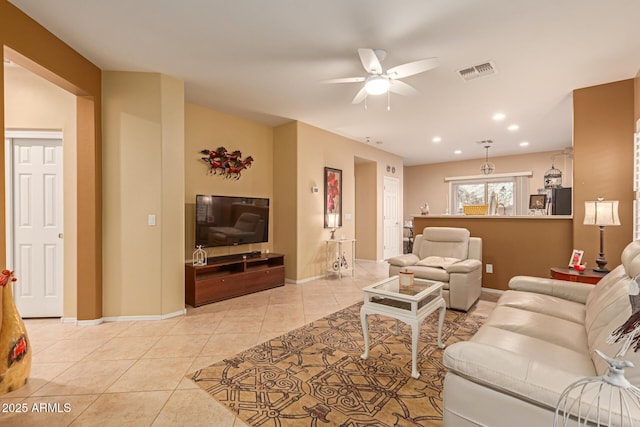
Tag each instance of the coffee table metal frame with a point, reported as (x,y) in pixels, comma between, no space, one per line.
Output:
(409,306)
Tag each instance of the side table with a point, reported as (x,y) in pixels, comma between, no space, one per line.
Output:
(588,276)
(336,256)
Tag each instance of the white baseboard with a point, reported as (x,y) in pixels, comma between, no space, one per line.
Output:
(308,279)
(95,322)
(372,261)
(493,291)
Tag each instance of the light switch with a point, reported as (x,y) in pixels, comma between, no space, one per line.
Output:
(152,220)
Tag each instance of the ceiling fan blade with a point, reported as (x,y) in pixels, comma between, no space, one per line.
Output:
(360,96)
(345,80)
(401,88)
(370,61)
(411,68)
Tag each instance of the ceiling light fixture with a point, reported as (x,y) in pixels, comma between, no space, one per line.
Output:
(487,167)
(499,116)
(524,144)
(436,139)
(457,152)
(377,85)
(513,127)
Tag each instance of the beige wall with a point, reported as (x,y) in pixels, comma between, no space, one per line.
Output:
(366,202)
(425,183)
(33,103)
(143,175)
(285,196)
(30,45)
(210,129)
(318,149)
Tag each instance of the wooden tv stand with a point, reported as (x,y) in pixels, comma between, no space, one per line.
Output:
(231,277)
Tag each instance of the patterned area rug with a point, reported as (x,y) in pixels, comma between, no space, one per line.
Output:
(314,375)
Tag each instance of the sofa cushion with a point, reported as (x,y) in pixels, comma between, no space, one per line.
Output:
(544,304)
(429,273)
(560,332)
(538,351)
(437,261)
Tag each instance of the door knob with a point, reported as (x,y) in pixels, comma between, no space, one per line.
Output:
(59,235)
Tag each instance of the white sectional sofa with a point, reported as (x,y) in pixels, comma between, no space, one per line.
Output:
(540,338)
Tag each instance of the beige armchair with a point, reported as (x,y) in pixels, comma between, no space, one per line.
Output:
(447,255)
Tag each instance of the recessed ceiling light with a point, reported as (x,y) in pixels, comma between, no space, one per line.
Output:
(513,127)
(499,116)
(524,144)
(457,152)
(436,139)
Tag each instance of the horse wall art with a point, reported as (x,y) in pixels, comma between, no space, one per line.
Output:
(226,164)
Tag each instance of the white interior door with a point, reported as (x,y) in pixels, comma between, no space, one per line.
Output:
(37,217)
(391,210)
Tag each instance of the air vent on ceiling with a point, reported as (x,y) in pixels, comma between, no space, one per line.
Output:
(477,71)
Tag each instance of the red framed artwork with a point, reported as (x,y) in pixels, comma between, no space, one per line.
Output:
(332,198)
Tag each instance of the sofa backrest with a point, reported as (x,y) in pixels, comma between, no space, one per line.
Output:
(475,248)
(444,242)
(608,306)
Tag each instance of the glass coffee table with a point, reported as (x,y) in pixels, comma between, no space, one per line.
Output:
(409,305)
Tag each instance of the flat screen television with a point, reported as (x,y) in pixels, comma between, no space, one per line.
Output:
(231,221)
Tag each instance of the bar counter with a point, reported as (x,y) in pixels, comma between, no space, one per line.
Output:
(514,245)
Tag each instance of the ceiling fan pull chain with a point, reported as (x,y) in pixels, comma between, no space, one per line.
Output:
(389,101)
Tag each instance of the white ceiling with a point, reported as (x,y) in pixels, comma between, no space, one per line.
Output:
(263,60)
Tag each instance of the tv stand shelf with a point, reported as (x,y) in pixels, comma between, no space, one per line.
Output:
(232,276)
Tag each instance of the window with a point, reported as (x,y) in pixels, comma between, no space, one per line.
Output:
(511,192)
(480,193)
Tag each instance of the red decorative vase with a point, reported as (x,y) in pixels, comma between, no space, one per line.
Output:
(15,348)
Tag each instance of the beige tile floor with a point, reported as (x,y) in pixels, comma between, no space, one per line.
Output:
(133,373)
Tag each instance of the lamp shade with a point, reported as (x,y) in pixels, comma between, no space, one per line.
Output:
(601,213)
(333,220)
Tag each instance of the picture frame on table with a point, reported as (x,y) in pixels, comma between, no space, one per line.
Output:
(332,197)
(537,201)
(576,257)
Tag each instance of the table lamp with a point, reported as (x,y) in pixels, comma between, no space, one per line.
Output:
(333,222)
(601,213)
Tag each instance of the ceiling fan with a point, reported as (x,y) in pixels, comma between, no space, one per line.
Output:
(378,82)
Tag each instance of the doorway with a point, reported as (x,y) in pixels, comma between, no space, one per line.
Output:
(34,212)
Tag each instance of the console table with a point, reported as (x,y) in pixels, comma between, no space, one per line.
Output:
(231,277)
(336,258)
(587,276)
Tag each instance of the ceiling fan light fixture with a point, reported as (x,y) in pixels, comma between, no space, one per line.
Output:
(377,85)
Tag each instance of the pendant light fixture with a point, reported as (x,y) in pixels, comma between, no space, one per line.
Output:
(487,167)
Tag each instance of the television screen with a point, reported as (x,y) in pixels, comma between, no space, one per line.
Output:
(230,221)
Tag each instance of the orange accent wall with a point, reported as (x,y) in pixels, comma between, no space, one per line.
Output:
(603,164)
(32,46)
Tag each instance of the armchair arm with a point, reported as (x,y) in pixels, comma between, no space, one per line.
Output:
(404,260)
(464,266)
(508,372)
(572,291)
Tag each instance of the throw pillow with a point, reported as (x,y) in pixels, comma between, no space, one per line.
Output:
(437,261)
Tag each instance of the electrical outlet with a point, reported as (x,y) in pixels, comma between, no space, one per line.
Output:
(489,268)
